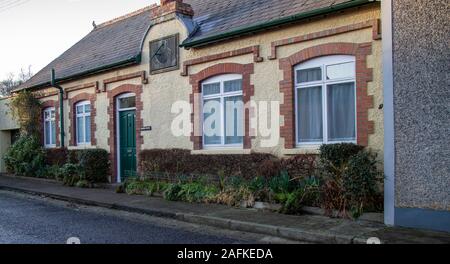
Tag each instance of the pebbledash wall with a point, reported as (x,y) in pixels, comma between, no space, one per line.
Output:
(265,59)
(417,161)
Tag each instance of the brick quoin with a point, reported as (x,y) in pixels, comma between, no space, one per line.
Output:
(247,88)
(44,106)
(72,117)
(112,140)
(364,75)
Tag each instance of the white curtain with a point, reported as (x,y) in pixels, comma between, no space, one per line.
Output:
(234,120)
(310,125)
(80,129)
(232,86)
(88,129)
(341,112)
(212,122)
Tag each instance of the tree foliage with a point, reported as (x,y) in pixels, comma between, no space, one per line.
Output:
(13,80)
(26,109)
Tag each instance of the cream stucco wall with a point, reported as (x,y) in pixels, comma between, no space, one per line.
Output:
(7,123)
(5,143)
(166,88)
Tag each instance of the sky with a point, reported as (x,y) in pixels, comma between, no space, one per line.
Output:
(34,32)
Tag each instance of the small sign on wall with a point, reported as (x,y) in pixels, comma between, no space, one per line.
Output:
(146,128)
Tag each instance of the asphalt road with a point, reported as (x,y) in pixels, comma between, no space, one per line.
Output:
(33,220)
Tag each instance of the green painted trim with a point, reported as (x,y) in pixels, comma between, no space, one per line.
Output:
(61,107)
(267,25)
(133,61)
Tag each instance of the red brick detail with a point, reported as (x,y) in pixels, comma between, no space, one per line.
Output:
(374,24)
(41,95)
(112,140)
(248,91)
(72,117)
(364,75)
(224,55)
(81,87)
(45,105)
(171,6)
(139,74)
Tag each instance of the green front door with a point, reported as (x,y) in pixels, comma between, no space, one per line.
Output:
(127,121)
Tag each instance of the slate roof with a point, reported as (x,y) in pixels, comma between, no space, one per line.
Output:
(109,45)
(119,42)
(220,16)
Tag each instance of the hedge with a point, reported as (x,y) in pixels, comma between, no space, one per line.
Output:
(94,163)
(182,162)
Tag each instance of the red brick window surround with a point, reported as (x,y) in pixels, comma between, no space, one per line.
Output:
(112,111)
(45,105)
(220,69)
(364,75)
(73,120)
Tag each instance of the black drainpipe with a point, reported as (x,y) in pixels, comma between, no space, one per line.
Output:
(61,105)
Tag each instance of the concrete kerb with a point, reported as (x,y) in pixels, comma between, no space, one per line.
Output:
(296,234)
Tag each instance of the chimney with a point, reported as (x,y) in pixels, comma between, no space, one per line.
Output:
(165,2)
(169,9)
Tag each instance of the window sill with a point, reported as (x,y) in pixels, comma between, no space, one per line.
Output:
(50,147)
(222,152)
(82,146)
(302,150)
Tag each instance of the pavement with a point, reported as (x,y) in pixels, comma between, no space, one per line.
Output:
(26,219)
(304,228)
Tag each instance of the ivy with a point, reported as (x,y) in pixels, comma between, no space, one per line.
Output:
(26,109)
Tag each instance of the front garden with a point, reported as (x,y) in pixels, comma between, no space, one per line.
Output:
(344,178)
(27,157)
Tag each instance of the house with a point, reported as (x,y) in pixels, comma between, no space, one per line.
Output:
(316,63)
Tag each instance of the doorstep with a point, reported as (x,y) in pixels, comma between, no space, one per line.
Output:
(305,228)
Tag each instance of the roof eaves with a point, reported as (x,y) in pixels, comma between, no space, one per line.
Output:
(129,62)
(237,32)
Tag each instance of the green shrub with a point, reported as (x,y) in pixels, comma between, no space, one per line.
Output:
(336,156)
(26,109)
(282,183)
(182,162)
(56,157)
(83,184)
(361,181)
(299,166)
(172,193)
(72,174)
(53,172)
(138,187)
(257,184)
(189,192)
(307,194)
(196,192)
(25,157)
(350,179)
(293,202)
(95,164)
(234,182)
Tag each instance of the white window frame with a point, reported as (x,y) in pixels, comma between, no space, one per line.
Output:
(82,115)
(323,63)
(50,119)
(222,95)
(118,110)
